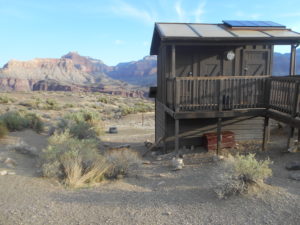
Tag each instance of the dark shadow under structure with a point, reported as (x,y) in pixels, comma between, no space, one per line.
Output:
(214,77)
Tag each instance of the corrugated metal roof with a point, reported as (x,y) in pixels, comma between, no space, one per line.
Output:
(210,30)
(176,30)
(249,33)
(199,32)
(282,33)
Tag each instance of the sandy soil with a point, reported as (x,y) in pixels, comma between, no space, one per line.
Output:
(150,194)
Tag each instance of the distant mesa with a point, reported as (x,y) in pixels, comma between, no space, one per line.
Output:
(73,72)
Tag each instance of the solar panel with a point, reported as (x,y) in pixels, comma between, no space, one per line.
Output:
(246,23)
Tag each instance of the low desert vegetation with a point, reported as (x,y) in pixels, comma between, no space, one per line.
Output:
(16,121)
(78,163)
(243,172)
(121,160)
(37,103)
(72,161)
(6,100)
(82,124)
(3,130)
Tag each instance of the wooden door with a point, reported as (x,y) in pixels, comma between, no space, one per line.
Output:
(210,65)
(184,63)
(255,62)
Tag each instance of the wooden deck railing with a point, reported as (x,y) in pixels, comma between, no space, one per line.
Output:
(284,95)
(216,93)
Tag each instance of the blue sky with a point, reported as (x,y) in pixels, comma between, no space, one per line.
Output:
(116,30)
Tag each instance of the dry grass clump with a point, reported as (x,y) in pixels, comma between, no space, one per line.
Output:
(3,130)
(243,171)
(82,124)
(5,99)
(15,120)
(248,168)
(74,162)
(121,160)
(49,104)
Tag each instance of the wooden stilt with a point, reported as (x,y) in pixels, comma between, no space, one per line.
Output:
(266,134)
(176,135)
(219,135)
(290,138)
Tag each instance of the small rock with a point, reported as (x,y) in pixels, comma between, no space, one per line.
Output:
(120,176)
(293,166)
(10,162)
(113,130)
(177,163)
(160,183)
(295,176)
(11,173)
(158,158)
(3,172)
(146,162)
(166,213)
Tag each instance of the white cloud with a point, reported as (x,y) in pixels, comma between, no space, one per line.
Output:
(180,12)
(199,11)
(124,9)
(119,42)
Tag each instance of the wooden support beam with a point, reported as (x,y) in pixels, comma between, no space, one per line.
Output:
(219,136)
(222,114)
(293,60)
(176,136)
(173,62)
(266,133)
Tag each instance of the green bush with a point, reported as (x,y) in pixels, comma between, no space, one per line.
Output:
(74,162)
(15,121)
(82,124)
(121,160)
(251,170)
(3,130)
(4,99)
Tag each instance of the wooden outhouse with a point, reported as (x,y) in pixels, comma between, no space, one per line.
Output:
(214,77)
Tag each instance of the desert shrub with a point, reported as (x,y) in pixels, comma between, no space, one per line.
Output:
(82,124)
(3,130)
(121,160)
(143,107)
(5,99)
(103,99)
(242,172)
(51,104)
(69,105)
(15,121)
(248,168)
(74,162)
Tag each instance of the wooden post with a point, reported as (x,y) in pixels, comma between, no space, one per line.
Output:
(293,60)
(177,135)
(219,124)
(266,133)
(294,112)
(219,135)
(173,62)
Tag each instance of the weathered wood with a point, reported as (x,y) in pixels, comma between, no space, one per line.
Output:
(222,114)
(293,60)
(219,135)
(176,135)
(266,133)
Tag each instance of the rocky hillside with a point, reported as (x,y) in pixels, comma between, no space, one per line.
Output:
(142,72)
(281,63)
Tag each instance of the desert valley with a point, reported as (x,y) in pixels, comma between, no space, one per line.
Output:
(77,147)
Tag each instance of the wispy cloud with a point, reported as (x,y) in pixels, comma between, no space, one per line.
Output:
(180,11)
(119,42)
(127,10)
(199,11)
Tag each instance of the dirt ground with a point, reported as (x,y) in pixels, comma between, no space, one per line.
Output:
(152,193)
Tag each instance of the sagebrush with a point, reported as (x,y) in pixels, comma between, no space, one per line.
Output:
(82,124)
(15,121)
(72,161)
